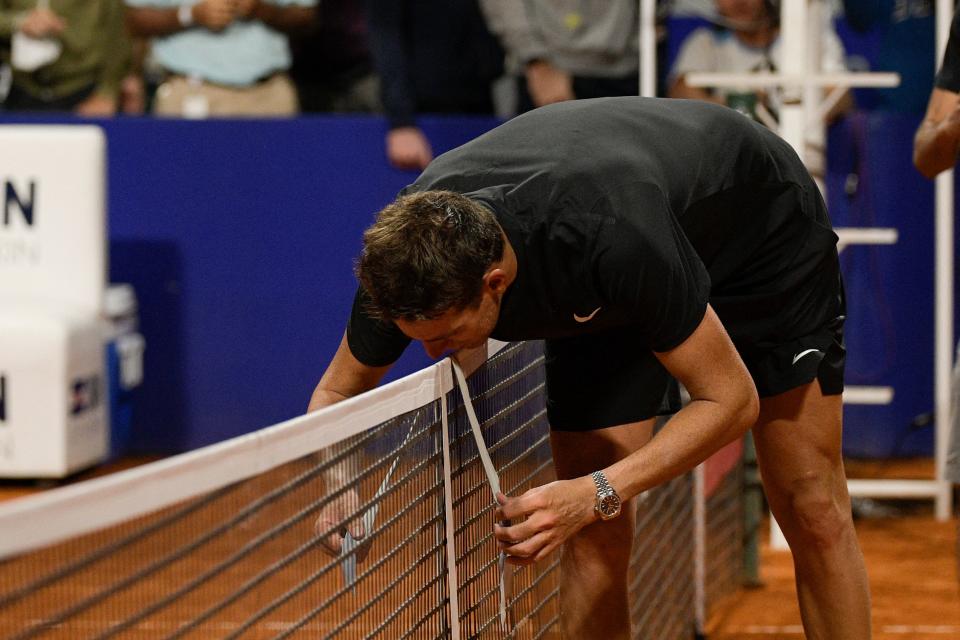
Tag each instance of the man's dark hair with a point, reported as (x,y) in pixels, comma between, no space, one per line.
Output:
(427,254)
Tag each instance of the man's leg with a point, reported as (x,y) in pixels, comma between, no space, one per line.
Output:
(799,452)
(593,563)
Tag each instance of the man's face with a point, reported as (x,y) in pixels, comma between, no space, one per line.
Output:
(456,329)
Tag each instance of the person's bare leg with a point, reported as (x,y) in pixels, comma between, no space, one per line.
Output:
(798,438)
(594,563)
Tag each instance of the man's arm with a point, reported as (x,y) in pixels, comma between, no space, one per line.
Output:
(344,378)
(117,61)
(938,137)
(724,404)
(697,53)
(406,145)
(214,15)
(288,18)
(510,22)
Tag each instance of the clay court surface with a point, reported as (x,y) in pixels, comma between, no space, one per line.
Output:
(911,559)
(913,575)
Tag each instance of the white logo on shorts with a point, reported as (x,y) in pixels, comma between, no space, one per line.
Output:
(803,353)
(586,318)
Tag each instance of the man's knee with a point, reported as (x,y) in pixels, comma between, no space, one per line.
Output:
(819,515)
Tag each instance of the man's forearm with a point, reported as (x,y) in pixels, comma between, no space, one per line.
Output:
(689,438)
(288,19)
(324,398)
(933,149)
(148,21)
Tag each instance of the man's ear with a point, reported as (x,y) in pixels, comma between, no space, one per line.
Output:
(495,280)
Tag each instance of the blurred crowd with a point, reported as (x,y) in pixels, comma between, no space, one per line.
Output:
(275,58)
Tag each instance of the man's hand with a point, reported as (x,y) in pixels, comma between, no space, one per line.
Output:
(97,106)
(133,95)
(547,84)
(42,23)
(937,139)
(245,8)
(331,528)
(408,148)
(951,124)
(553,512)
(215,15)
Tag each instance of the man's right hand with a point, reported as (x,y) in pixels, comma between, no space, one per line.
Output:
(548,84)
(42,23)
(215,15)
(331,527)
(408,148)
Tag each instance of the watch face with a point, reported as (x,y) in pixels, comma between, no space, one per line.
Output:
(609,505)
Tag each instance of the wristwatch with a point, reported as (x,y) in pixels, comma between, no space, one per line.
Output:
(185,15)
(608,502)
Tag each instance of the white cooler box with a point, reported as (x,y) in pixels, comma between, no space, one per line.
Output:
(53,392)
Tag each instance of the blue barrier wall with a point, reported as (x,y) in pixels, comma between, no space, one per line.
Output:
(239,237)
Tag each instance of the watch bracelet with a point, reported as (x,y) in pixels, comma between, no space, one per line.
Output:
(600,480)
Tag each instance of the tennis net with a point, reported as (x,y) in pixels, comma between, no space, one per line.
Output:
(222,542)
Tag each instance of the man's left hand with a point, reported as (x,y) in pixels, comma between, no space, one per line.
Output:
(553,512)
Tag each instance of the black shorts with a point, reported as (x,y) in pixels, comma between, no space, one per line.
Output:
(787,339)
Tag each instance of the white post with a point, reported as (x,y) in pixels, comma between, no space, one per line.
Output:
(648,48)
(793,117)
(943,342)
(793,61)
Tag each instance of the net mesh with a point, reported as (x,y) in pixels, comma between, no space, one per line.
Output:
(243,561)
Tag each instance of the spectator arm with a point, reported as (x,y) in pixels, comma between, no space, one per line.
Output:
(118,54)
(385,38)
(680,89)
(151,21)
(10,22)
(508,20)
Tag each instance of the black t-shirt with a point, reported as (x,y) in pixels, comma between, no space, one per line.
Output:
(639,209)
(949,75)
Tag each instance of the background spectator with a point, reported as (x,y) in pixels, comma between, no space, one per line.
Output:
(332,67)
(65,55)
(223,57)
(565,49)
(432,56)
(747,40)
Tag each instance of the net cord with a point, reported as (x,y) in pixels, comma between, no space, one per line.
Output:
(61,514)
(506,575)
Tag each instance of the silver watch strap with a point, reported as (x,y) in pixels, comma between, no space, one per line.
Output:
(599,479)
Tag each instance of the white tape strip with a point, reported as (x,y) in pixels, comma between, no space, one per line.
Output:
(506,572)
